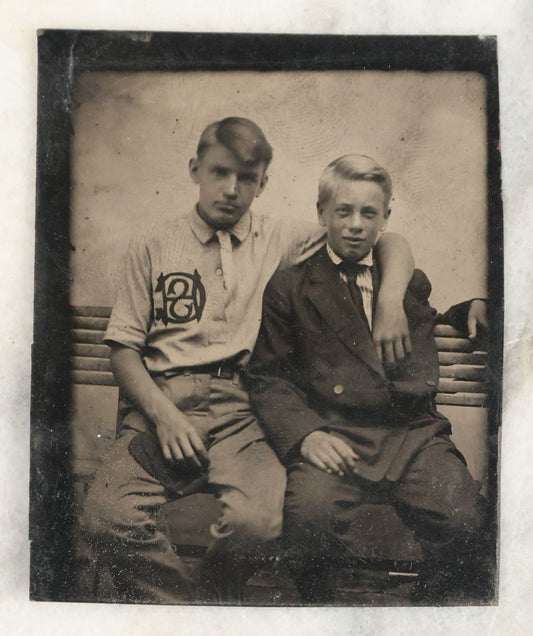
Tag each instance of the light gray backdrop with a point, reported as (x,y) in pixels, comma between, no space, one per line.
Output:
(135,133)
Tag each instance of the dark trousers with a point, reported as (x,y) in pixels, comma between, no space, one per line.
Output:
(436,497)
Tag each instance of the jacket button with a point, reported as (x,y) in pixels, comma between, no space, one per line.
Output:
(338,389)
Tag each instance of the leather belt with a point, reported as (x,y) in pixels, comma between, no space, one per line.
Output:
(226,369)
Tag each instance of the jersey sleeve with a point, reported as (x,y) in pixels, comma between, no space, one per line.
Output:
(132,313)
(300,239)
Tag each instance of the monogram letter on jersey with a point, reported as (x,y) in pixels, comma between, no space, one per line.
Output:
(183,297)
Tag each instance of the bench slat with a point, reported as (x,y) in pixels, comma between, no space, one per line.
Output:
(463,372)
(449,385)
(91,364)
(90,322)
(452,357)
(454,344)
(447,331)
(90,350)
(92,311)
(100,378)
(461,399)
(87,336)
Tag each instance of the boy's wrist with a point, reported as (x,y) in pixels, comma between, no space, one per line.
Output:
(390,295)
(158,407)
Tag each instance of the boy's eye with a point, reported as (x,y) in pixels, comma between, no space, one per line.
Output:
(248,178)
(220,172)
(369,212)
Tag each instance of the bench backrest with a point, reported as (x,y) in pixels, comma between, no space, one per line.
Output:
(462,369)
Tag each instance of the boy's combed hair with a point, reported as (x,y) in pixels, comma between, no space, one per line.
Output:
(352,168)
(240,135)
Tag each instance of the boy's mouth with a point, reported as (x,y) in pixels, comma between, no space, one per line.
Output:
(226,207)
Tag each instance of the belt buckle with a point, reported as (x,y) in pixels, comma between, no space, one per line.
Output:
(219,371)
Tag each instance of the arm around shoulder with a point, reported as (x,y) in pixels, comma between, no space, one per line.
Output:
(396,262)
(390,330)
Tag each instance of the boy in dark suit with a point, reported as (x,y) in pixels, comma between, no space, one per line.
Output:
(349,428)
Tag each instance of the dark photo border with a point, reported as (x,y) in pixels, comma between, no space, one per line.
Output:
(62,56)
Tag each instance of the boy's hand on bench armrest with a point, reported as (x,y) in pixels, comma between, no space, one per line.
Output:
(477,317)
(329,453)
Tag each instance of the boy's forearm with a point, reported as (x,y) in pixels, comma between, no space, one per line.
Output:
(390,330)
(133,378)
(178,439)
(396,264)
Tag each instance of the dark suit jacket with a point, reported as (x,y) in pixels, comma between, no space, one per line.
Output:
(315,367)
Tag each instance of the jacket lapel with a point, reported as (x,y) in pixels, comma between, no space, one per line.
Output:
(332,299)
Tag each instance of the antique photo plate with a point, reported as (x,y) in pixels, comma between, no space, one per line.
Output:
(119,117)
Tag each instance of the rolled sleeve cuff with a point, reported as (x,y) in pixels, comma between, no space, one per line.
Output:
(125,336)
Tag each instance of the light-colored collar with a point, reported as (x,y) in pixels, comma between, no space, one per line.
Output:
(204,232)
(337,260)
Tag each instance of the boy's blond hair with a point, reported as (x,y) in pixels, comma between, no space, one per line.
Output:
(352,168)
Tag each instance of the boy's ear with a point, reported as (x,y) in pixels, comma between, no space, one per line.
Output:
(262,184)
(386,217)
(193,169)
(320,214)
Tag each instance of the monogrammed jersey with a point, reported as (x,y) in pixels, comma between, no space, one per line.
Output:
(172,305)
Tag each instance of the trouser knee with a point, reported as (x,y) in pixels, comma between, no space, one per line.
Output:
(304,517)
(312,526)
(459,518)
(467,519)
(438,498)
(106,522)
(244,522)
(316,500)
(247,528)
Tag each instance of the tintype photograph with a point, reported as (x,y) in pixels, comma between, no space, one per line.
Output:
(267,357)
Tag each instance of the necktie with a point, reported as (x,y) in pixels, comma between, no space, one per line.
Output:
(359,279)
(226,258)
(352,270)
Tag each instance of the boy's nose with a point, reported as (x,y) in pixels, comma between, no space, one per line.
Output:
(231,187)
(355,222)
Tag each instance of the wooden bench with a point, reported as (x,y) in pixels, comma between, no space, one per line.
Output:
(462,383)
(462,370)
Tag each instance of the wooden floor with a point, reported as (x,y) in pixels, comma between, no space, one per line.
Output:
(353,588)
(273,587)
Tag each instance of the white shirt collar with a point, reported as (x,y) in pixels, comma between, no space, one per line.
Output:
(205,232)
(337,260)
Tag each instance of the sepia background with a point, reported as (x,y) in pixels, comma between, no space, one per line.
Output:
(512,22)
(135,133)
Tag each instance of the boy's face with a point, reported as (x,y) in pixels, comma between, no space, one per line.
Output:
(227,186)
(354,216)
